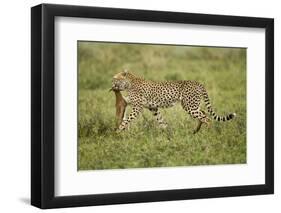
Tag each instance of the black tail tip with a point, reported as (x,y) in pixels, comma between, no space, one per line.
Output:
(232,115)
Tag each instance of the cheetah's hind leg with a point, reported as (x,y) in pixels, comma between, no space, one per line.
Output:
(198,127)
(202,119)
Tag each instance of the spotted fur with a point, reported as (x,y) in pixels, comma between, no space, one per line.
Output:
(154,95)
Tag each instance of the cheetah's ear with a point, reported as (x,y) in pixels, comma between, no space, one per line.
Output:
(125,73)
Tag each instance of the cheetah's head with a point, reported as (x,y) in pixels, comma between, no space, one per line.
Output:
(121,81)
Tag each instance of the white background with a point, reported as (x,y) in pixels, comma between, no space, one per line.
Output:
(15,106)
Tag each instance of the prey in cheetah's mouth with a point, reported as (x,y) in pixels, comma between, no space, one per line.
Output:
(120,104)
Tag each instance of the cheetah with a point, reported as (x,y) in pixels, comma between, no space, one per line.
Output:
(154,95)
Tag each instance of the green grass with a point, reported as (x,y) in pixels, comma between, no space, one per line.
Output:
(221,70)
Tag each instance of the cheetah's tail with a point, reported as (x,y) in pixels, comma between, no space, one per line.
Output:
(211,111)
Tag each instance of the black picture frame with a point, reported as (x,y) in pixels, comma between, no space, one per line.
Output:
(43,105)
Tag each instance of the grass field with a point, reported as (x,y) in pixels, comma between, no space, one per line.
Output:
(221,70)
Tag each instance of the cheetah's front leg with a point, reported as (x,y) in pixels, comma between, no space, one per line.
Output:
(133,115)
